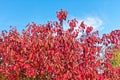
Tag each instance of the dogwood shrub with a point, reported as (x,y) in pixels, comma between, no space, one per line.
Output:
(48,52)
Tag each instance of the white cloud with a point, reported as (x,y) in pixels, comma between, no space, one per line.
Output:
(93,21)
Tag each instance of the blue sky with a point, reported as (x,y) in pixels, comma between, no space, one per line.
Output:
(103,14)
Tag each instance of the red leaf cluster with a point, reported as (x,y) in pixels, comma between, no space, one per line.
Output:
(61,15)
(48,52)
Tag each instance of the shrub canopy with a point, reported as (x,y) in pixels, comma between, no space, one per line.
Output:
(48,52)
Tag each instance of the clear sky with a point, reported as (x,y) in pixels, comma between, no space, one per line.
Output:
(103,14)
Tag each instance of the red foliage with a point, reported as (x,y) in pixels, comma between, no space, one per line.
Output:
(51,53)
(72,23)
(89,29)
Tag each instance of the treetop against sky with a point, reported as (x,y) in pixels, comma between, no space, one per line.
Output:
(102,15)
